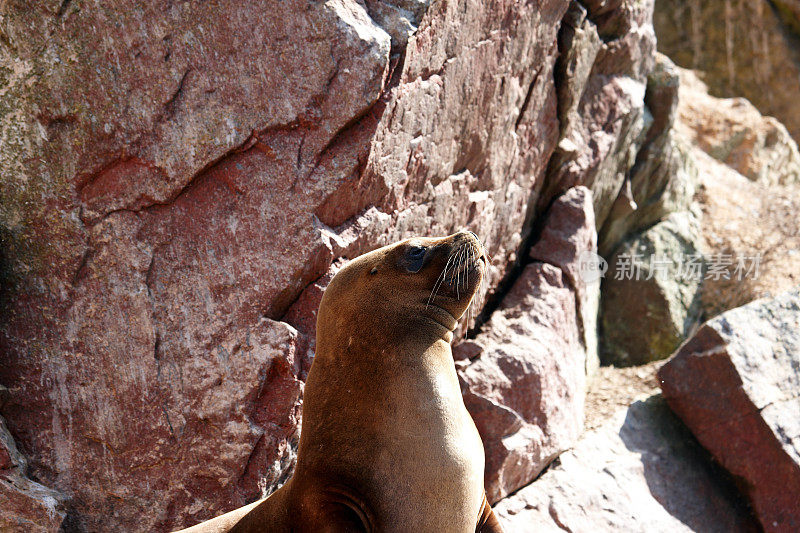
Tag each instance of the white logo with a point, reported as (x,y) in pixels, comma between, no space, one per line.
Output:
(591,266)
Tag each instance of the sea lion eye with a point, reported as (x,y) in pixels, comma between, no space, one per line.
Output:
(416,252)
(415,258)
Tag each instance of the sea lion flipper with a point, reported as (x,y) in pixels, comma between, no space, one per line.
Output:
(270,514)
(487,520)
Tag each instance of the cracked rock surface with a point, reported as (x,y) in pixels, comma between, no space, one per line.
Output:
(177,177)
(735,385)
(180,181)
(26,505)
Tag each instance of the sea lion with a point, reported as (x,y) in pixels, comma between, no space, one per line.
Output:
(386,444)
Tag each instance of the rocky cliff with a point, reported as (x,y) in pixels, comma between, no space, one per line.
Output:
(181,180)
(747,49)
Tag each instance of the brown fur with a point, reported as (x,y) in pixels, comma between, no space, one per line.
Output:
(386,443)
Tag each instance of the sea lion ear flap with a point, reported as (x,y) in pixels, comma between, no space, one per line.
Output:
(414,258)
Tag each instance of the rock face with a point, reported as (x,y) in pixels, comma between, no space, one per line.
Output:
(763,258)
(663,178)
(523,378)
(567,239)
(179,180)
(735,384)
(734,132)
(607,53)
(747,169)
(648,305)
(651,294)
(743,49)
(641,471)
(174,181)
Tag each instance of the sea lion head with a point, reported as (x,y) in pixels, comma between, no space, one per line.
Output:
(416,282)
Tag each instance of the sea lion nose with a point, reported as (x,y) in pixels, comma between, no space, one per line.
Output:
(468,234)
(480,244)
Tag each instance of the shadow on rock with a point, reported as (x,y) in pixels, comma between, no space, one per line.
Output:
(672,459)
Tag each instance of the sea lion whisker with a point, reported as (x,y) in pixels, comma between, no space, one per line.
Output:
(439,281)
(464,270)
(472,255)
(465,267)
(453,268)
(479,296)
(469,319)
(470,259)
(458,272)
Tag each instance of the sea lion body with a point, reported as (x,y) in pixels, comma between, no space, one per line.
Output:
(386,443)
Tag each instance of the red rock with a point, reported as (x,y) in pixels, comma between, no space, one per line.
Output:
(28,506)
(177,176)
(5,459)
(458,146)
(523,379)
(602,122)
(734,384)
(640,471)
(9,454)
(567,240)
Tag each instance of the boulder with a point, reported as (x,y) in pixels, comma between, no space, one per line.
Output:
(732,131)
(663,178)
(757,260)
(641,471)
(523,379)
(650,295)
(566,241)
(735,385)
(742,49)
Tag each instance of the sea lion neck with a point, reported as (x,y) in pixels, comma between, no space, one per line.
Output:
(404,337)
